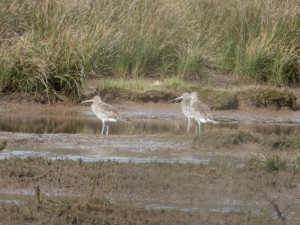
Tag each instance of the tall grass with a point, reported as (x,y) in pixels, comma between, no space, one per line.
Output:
(261,42)
(55,45)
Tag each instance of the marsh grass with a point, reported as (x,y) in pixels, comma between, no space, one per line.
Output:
(53,45)
(144,85)
(274,163)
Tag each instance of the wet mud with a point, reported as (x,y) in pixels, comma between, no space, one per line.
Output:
(148,171)
(192,188)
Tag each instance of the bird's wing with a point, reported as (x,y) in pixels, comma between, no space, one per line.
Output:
(110,111)
(202,110)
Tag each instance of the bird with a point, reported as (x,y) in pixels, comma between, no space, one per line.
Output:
(185,107)
(105,112)
(199,111)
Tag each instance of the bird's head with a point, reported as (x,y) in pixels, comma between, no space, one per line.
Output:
(183,96)
(95,99)
(194,95)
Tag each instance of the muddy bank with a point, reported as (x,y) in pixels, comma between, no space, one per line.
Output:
(203,148)
(103,211)
(190,183)
(233,98)
(195,185)
(232,139)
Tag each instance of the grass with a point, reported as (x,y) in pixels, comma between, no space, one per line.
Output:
(270,164)
(52,46)
(216,98)
(141,89)
(144,85)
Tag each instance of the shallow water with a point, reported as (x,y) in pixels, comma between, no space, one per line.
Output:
(90,157)
(77,135)
(87,123)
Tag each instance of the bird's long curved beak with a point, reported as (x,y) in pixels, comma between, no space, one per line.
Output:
(86,101)
(177,99)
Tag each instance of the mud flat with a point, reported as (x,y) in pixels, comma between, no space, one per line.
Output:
(57,169)
(167,191)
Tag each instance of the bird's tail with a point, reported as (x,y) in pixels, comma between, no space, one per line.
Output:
(213,121)
(125,119)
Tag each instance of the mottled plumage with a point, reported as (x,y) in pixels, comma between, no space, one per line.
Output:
(105,112)
(185,107)
(200,112)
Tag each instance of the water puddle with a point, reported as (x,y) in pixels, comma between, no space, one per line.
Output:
(87,123)
(92,157)
(12,198)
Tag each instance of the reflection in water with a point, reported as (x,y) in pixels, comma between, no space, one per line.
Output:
(80,124)
(41,124)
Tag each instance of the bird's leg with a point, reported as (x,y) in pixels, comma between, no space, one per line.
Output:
(199,124)
(189,122)
(103,126)
(107,127)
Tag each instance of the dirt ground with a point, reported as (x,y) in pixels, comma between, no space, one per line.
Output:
(158,182)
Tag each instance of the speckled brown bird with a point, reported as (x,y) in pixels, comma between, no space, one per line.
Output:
(105,112)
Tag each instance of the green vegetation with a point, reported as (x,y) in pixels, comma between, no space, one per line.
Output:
(141,89)
(53,46)
(270,164)
(144,85)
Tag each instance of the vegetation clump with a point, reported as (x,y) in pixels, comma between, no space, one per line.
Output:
(52,46)
(270,164)
(225,138)
(269,97)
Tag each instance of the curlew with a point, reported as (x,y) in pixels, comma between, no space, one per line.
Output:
(185,107)
(199,111)
(105,112)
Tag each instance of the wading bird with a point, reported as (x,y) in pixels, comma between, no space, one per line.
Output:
(185,107)
(199,111)
(105,112)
